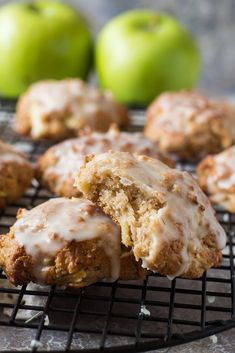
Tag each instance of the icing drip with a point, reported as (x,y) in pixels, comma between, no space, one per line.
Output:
(47,228)
(73,101)
(190,109)
(69,154)
(224,170)
(186,214)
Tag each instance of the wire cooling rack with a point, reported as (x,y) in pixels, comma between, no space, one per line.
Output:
(111,317)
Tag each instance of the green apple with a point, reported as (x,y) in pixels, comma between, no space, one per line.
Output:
(40,40)
(141,53)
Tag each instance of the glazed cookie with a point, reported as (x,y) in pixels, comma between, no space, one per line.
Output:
(162,212)
(67,242)
(216,175)
(57,167)
(60,109)
(15,174)
(190,125)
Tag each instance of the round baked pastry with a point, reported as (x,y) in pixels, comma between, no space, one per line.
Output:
(60,109)
(190,125)
(216,176)
(67,242)
(57,167)
(162,212)
(15,174)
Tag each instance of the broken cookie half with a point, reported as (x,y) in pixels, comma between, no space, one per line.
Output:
(163,213)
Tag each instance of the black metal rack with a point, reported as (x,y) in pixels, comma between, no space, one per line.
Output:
(112,317)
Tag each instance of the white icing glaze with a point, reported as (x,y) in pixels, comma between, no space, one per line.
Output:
(182,112)
(47,228)
(69,155)
(227,183)
(72,101)
(55,95)
(223,175)
(10,154)
(186,214)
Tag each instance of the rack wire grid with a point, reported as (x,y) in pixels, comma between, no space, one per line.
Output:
(111,317)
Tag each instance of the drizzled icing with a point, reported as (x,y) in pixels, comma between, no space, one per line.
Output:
(186,213)
(10,154)
(72,101)
(181,112)
(56,95)
(68,155)
(223,174)
(47,228)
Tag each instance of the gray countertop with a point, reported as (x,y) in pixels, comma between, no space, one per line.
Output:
(20,339)
(221,343)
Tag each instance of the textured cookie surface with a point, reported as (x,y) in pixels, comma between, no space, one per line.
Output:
(216,175)
(66,242)
(190,125)
(15,174)
(59,109)
(162,212)
(57,167)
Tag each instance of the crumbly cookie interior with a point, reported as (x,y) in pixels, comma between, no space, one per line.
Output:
(163,214)
(135,211)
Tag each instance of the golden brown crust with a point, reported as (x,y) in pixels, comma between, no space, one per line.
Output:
(57,166)
(14,260)
(77,263)
(162,212)
(60,109)
(169,260)
(204,170)
(189,125)
(216,176)
(15,175)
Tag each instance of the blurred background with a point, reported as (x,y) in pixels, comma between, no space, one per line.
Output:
(212,22)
